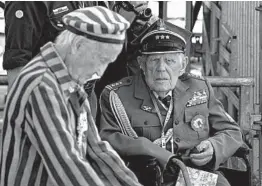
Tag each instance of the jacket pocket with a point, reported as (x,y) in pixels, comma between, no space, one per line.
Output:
(201,113)
(146,126)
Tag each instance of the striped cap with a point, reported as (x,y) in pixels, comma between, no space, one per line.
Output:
(97,23)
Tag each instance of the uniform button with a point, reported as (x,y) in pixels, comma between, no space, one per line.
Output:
(176,122)
(177,139)
(145,122)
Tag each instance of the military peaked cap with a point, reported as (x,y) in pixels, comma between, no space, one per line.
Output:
(97,23)
(164,38)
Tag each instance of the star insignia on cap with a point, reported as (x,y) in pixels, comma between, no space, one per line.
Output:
(157,37)
(162,37)
(167,36)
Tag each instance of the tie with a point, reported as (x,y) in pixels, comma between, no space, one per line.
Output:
(165,100)
(89,86)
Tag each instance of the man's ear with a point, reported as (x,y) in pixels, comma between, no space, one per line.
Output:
(77,42)
(184,65)
(141,62)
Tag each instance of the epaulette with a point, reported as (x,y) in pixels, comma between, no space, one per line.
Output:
(187,75)
(122,82)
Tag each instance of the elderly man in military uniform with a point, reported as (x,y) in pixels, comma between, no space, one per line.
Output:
(164,112)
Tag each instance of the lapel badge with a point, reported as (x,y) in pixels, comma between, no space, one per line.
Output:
(60,10)
(198,98)
(146,108)
(198,122)
(82,127)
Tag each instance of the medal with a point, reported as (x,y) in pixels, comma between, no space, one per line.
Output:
(81,127)
(198,98)
(163,141)
(198,122)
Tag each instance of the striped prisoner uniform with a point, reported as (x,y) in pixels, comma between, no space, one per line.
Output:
(40,131)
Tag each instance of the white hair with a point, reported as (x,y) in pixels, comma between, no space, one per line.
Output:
(66,37)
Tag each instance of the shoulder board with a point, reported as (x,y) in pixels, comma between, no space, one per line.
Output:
(186,76)
(122,82)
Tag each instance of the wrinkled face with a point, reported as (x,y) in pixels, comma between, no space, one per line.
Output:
(93,60)
(162,70)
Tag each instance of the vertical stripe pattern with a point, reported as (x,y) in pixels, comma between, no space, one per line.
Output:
(98,23)
(39,133)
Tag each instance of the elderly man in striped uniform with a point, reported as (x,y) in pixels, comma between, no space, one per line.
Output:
(49,135)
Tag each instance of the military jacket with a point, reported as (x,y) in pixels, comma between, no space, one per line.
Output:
(193,100)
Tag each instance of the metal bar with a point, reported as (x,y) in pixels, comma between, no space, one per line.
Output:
(232,98)
(162,9)
(3,80)
(260,59)
(230,82)
(2,5)
(214,27)
(207,4)
(209,70)
(245,108)
(196,10)
(260,89)
(216,10)
(189,8)
(224,53)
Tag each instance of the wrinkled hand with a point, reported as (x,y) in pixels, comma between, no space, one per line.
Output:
(206,153)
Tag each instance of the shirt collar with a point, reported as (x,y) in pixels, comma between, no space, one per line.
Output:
(157,96)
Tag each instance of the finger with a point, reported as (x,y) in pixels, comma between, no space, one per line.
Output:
(201,155)
(201,162)
(203,145)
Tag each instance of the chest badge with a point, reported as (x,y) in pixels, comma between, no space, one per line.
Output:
(146,108)
(60,10)
(19,14)
(82,127)
(198,122)
(198,98)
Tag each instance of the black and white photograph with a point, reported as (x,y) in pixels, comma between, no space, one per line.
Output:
(131,93)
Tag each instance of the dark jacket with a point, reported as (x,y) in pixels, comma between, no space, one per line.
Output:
(31,24)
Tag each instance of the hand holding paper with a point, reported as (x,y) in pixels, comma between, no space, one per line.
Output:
(205,154)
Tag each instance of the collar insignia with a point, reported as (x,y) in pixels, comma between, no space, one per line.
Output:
(146,108)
